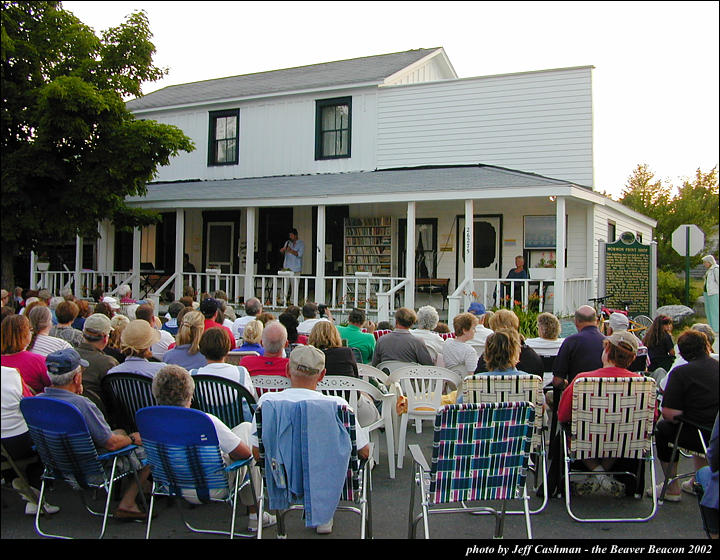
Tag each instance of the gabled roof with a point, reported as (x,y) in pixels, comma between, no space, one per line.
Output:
(364,70)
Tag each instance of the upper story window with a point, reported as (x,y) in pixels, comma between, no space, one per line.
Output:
(333,123)
(223,137)
(612,233)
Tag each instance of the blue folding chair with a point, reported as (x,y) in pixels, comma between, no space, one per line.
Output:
(183,451)
(66,449)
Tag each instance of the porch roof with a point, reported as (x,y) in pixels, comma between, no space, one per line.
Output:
(392,185)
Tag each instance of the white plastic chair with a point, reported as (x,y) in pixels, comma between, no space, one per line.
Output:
(350,388)
(269,383)
(389,366)
(366,372)
(423,387)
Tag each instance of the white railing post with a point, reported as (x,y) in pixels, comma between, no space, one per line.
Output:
(33,272)
(410,256)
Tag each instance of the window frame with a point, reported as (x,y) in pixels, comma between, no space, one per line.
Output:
(212,142)
(321,104)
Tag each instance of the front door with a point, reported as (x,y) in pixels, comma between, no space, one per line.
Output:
(220,238)
(487,231)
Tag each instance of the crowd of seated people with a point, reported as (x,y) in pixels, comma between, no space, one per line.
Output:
(199,338)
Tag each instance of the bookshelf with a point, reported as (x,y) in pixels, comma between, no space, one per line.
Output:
(368,246)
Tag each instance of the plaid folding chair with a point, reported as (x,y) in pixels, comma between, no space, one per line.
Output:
(515,388)
(66,449)
(480,452)
(127,393)
(356,489)
(612,418)
(183,451)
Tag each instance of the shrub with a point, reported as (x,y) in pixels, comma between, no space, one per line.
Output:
(671,289)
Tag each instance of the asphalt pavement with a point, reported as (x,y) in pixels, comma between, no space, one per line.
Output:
(679,522)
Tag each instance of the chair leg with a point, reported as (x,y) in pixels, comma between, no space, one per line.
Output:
(526,507)
(390,443)
(41,505)
(150,511)
(401,443)
(109,495)
(672,467)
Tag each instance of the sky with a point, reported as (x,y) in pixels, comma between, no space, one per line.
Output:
(655,77)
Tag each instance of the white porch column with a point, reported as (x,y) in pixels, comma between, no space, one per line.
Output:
(560,306)
(249,288)
(410,257)
(78,266)
(179,251)
(468,238)
(320,260)
(590,248)
(137,239)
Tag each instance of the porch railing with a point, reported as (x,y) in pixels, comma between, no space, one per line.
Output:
(363,292)
(203,282)
(494,292)
(58,280)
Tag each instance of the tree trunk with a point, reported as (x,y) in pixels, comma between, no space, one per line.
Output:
(8,270)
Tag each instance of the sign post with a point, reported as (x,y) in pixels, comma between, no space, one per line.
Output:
(688,240)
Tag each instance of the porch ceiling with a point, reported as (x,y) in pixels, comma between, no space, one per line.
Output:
(396,185)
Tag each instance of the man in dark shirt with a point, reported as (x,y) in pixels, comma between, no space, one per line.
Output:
(581,351)
(691,391)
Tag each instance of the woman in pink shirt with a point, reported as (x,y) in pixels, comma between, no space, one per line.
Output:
(16,336)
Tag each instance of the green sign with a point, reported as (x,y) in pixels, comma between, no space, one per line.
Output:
(627,275)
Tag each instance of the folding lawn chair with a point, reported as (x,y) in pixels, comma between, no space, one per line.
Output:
(127,393)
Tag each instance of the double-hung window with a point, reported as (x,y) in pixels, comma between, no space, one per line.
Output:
(333,123)
(223,137)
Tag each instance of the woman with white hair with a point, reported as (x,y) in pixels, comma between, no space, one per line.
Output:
(711,290)
(427,320)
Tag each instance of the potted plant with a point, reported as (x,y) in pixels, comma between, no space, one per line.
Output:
(43,263)
(545,269)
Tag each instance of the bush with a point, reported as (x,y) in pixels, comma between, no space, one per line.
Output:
(671,289)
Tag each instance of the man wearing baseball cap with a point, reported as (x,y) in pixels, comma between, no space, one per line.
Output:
(619,351)
(306,368)
(65,370)
(481,331)
(96,334)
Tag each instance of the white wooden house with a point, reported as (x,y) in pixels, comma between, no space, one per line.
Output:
(475,171)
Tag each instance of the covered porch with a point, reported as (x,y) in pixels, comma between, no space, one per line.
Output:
(468,224)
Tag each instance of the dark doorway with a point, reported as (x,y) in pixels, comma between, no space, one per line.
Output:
(273,227)
(165,243)
(425,247)
(123,249)
(220,235)
(334,232)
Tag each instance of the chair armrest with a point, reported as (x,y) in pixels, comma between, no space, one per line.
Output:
(681,418)
(123,451)
(418,457)
(237,464)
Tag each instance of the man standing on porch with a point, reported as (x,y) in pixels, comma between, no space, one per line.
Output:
(293,251)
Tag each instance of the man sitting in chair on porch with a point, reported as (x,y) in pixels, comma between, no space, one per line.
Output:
(306,368)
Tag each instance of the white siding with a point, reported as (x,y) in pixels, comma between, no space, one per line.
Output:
(539,122)
(277,137)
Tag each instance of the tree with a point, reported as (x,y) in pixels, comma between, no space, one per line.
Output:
(696,202)
(71,150)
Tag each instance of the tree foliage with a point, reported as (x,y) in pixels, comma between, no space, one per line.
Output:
(71,150)
(694,201)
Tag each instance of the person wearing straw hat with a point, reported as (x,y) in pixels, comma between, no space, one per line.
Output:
(135,343)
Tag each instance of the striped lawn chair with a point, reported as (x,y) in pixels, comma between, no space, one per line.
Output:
(63,442)
(184,454)
(356,489)
(378,333)
(612,417)
(515,388)
(480,452)
(126,394)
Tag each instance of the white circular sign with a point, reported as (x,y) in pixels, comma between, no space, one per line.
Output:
(679,239)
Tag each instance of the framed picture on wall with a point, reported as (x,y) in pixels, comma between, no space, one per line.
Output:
(539,232)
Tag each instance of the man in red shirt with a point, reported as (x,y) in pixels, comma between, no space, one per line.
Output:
(210,309)
(619,351)
(273,361)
